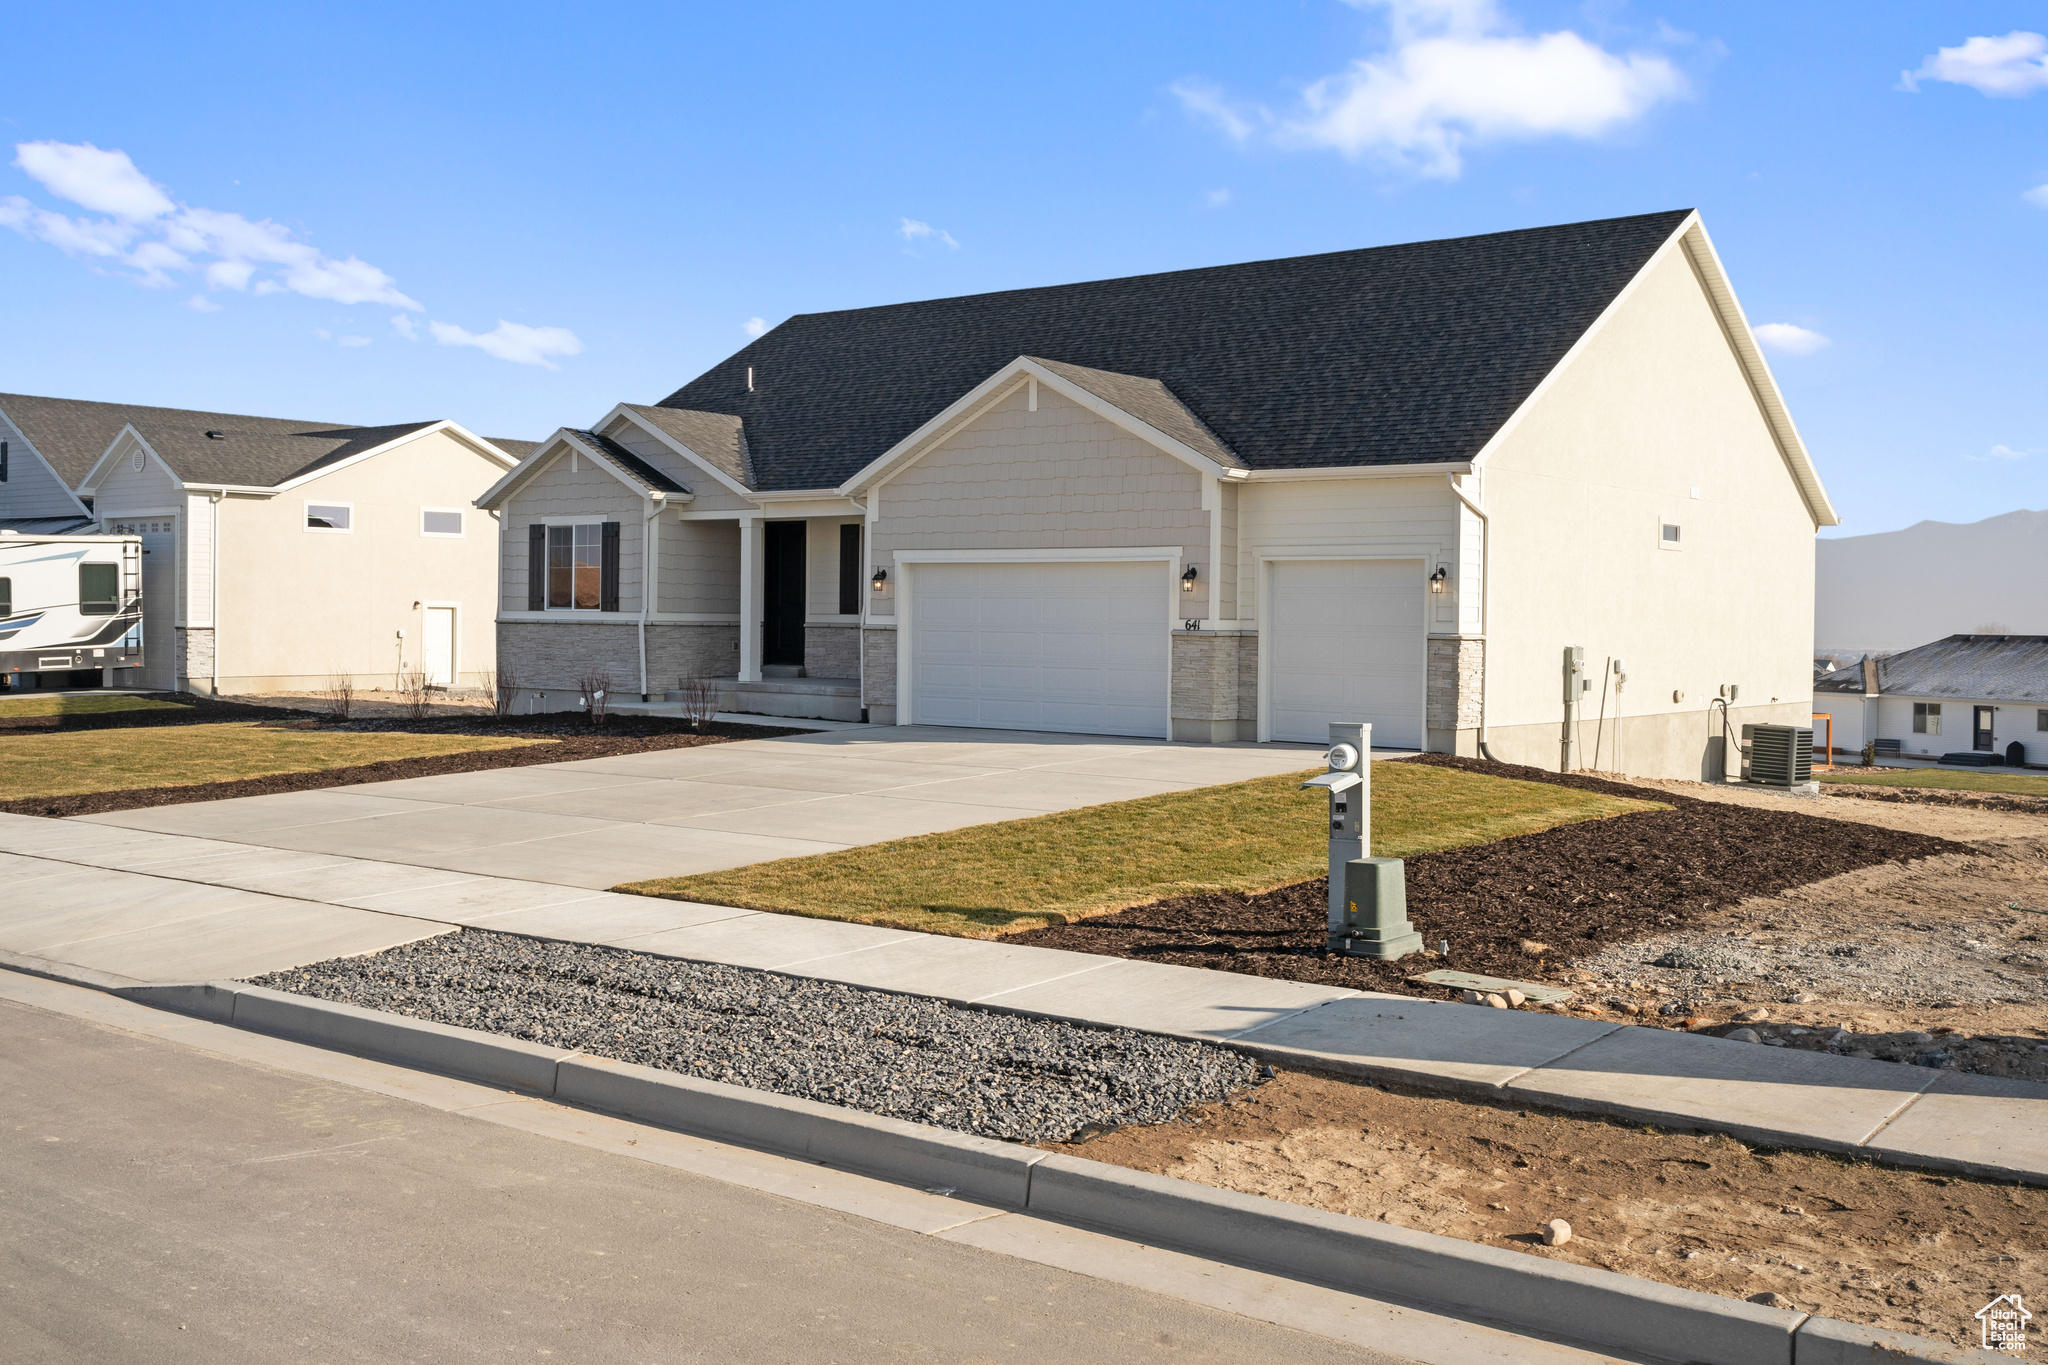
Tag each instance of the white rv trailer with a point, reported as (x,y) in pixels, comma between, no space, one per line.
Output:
(69,604)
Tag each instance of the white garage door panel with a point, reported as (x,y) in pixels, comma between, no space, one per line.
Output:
(1347,644)
(159,598)
(1074,647)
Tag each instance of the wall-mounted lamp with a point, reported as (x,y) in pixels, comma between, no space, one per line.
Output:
(1187,580)
(880,582)
(1439,578)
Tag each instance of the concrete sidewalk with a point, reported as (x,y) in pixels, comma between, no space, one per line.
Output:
(162,907)
(673,812)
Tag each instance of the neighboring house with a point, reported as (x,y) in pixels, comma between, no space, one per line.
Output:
(329,539)
(1964,694)
(1237,503)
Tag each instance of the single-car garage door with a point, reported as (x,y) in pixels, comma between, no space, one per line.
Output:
(1346,644)
(1073,647)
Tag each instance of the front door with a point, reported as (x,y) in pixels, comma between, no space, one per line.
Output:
(1980,737)
(437,655)
(782,623)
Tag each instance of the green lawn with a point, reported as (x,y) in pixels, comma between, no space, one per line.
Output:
(988,880)
(89,705)
(80,761)
(1944,779)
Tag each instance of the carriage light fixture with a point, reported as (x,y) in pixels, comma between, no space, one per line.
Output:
(880,582)
(1187,580)
(1439,578)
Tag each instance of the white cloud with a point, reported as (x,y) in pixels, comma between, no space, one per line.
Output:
(352,341)
(2037,196)
(915,232)
(755,327)
(1789,338)
(323,334)
(513,341)
(403,324)
(199,303)
(2008,67)
(104,182)
(1455,77)
(1217,199)
(155,237)
(2004,452)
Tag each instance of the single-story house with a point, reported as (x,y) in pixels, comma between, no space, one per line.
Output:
(1229,504)
(340,549)
(1961,694)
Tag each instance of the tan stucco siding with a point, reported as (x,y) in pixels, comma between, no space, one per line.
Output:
(297,605)
(1655,407)
(569,490)
(1341,518)
(1057,478)
(700,567)
(32,488)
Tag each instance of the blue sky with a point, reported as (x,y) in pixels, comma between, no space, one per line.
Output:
(567,206)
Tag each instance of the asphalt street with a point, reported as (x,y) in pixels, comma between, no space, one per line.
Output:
(163,1204)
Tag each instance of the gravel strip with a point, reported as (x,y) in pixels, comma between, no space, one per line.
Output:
(996,1075)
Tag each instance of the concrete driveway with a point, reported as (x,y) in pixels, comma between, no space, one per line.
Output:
(599,822)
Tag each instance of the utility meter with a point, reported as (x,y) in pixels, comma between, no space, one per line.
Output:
(1343,758)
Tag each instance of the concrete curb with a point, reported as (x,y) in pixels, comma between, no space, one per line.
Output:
(64,971)
(1578,1303)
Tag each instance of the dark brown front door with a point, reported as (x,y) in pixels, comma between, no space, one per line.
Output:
(782,624)
(1980,737)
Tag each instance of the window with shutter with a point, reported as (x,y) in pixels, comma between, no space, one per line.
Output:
(536,567)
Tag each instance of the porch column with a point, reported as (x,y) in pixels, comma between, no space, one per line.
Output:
(752,602)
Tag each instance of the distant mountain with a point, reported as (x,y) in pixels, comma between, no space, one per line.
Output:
(1898,589)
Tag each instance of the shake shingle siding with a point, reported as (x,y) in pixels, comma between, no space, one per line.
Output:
(1391,355)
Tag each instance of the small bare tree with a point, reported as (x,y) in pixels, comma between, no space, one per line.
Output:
(595,684)
(503,689)
(700,700)
(340,696)
(414,693)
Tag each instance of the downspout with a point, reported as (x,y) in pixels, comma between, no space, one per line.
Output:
(656,500)
(1485,592)
(216,498)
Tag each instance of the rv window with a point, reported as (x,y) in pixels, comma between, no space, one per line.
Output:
(7,609)
(327,516)
(1926,717)
(99,589)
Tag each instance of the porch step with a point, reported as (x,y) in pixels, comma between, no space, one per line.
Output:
(808,698)
(1971,758)
(782,670)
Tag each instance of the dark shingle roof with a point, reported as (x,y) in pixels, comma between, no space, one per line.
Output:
(1966,667)
(259,452)
(1389,355)
(518,450)
(635,468)
(713,437)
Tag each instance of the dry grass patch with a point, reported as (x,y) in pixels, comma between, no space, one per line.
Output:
(988,880)
(62,705)
(1943,779)
(70,764)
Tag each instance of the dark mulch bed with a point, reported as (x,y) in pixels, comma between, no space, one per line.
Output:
(194,710)
(575,738)
(1575,888)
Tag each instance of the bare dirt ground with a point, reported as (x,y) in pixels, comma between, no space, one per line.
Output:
(374,702)
(1844,1238)
(1940,962)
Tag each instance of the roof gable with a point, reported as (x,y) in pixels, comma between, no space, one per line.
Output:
(1393,355)
(614,459)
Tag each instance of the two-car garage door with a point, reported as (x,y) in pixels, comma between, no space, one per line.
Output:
(1041,646)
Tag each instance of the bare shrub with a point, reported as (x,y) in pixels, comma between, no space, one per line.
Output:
(340,696)
(502,687)
(1870,753)
(414,693)
(700,700)
(595,685)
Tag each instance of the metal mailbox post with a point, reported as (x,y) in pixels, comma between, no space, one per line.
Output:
(1368,896)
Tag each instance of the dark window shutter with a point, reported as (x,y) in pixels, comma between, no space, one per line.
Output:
(608,569)
(536,567)
(849,569)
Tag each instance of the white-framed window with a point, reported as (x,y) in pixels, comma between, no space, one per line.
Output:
(575,567)
(444,523)
(1926,717)
(1668,533)
(336,517)
(2041,720)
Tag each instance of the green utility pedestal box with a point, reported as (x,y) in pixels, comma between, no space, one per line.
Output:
(1375,915)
